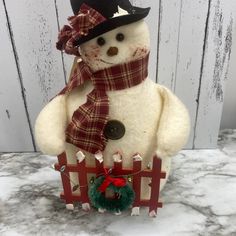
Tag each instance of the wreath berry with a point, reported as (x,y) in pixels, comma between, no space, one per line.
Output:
(124,194)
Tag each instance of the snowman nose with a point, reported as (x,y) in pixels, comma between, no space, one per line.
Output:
(112,51)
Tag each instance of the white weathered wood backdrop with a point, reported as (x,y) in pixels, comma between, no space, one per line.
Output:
(191,46)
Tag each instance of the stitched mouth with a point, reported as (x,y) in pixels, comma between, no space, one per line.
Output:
(135,52)
(109,63)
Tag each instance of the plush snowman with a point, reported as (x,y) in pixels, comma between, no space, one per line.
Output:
(110,108)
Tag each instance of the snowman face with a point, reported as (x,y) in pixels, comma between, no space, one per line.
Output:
(118,46)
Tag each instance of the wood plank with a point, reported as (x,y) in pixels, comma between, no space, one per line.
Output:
(214,72)
(189,58)
(228,120)
(34,27)
(168,47)
(153,22)
(15,133)
(63,11)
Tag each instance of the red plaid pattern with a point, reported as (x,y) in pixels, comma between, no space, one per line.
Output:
(121,76)
(86,19)
(80,25)
(88,122)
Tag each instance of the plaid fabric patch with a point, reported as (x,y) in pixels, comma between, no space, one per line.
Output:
(80,24)
(86,19)
(122,76)
(88,122)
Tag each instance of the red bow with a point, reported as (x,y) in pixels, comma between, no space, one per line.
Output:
(80,24)
(118,182)
(66,42)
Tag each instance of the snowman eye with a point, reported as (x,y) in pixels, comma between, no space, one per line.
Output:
(120,37)
(101,41)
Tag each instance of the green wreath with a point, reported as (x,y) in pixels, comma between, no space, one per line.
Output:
(99,200)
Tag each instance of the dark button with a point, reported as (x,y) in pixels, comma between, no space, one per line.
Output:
(114,130)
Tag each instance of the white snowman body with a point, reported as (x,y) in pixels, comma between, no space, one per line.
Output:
(156,121)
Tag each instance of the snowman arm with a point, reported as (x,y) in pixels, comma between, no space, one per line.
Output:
(174,125)
(50,127)
(51,123)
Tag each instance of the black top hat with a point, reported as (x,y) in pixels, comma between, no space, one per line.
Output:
(108,8)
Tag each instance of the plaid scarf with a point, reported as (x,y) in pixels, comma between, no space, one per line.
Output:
(85,131)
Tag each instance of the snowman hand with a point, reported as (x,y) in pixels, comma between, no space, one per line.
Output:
(174,125)
(164,152)
(50,127)
(53,147)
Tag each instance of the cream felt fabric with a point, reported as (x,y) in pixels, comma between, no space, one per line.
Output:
(50,127)
(135,44)
(174,126)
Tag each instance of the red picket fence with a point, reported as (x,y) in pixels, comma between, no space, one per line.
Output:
(155,174)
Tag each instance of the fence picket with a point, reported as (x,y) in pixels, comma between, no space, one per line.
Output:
(83,182)
(137,166)
(157,175)
(67,194)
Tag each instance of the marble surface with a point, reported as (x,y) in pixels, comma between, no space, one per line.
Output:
(199,199)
